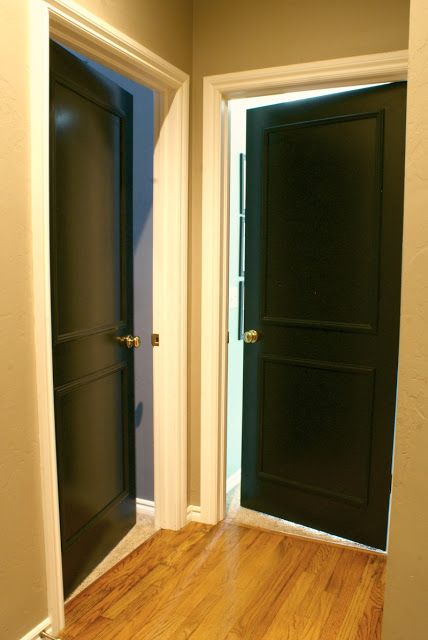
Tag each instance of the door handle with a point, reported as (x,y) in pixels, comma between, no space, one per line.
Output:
(251,336)
(130,342)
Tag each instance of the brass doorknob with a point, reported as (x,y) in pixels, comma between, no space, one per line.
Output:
(251,336)
(130,342)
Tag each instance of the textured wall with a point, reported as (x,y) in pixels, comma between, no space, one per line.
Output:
(407,572)
(22,579)
(166,28)
(163,26)
(249,34)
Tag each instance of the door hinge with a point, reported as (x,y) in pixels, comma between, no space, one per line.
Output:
(228,337)
(155,339)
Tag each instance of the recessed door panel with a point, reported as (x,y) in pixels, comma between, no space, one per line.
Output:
(316,427)
(93,446)
(88,227)
(323,196)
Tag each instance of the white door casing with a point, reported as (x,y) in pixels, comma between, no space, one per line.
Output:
(357,70)
(77,28)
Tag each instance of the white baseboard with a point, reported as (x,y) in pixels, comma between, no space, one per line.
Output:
(233,480)
(148,507)
(34,634)
(193,513)
(145,506)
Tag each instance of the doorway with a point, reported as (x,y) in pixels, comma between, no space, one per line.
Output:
(278,372)
(218,90)
(97,40)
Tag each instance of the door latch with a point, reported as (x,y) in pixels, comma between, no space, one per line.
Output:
(155,339)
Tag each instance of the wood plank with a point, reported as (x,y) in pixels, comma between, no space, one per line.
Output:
(180,574)
(372,574)
(146,613)
(371,622)
(290,575)
(239,583)
(343,584)
(243,579)
(113,585)
(287,618)
(194,590)
(135,609)
(313,628)
(309,608)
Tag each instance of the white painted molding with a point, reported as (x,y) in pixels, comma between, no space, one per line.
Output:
(233,481)
(75,27)
(379,67)
(367,69)
(34,634)
(145,506)
(80,28)
(39,74)
(170,244)
(193,513)
(214,306)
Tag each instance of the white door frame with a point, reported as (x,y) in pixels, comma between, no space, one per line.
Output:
(84,32)
(380,67)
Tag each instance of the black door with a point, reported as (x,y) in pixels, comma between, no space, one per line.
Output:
(91,273)
(323,267)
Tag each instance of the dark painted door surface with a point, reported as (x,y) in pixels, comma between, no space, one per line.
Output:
(91,272)
(323,266)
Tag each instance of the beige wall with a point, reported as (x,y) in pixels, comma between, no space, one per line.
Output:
(248,34)
(165,27)
(407,572)
(22,579)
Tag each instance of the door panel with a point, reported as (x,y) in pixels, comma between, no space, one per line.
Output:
(323,267)
(91,450)
(91,273)
(326,444)
(81,196)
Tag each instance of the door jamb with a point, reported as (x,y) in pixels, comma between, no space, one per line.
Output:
(217,90)
(81,30)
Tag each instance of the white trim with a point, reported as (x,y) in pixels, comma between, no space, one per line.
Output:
(77,28)
(367,69)
(193,513)
(34,634)
(233,480)
(170,241)
(145,506)
(380,67)
(39,66)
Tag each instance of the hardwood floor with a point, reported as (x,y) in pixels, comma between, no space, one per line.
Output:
(234,582)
